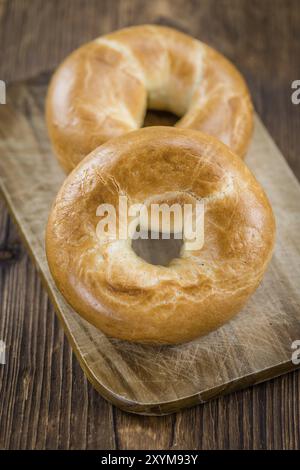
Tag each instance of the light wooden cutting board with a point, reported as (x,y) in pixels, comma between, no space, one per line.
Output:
(255,346)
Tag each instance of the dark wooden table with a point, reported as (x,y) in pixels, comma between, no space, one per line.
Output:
(45,400)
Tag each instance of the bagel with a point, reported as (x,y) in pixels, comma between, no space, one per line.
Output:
(103,89)
(123,295)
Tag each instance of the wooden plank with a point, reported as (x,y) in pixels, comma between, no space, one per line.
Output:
(254,346)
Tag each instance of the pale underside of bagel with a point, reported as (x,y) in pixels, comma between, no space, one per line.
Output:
(103,89)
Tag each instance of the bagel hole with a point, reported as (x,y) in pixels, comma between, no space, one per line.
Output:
(159,118)
(157,251)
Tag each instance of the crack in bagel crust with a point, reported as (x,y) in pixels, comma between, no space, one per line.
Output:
(120,293)
(102,90)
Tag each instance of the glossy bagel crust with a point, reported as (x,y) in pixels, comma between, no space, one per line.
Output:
(102,90)
(123,295)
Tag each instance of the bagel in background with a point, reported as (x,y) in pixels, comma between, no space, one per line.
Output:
(103,89)
(120,293)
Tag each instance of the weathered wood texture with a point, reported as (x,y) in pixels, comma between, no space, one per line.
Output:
(38,408)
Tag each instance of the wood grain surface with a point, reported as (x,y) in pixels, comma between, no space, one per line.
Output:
(45,399)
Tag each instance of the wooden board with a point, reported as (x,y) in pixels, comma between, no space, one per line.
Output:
(254,346)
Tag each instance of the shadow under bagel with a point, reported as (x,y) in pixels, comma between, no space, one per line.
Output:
(157,251)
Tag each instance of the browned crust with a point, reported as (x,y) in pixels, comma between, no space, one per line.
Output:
(103,88)
(130,299)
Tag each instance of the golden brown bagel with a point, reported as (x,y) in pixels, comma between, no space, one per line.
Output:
(120,293)
(102,90)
